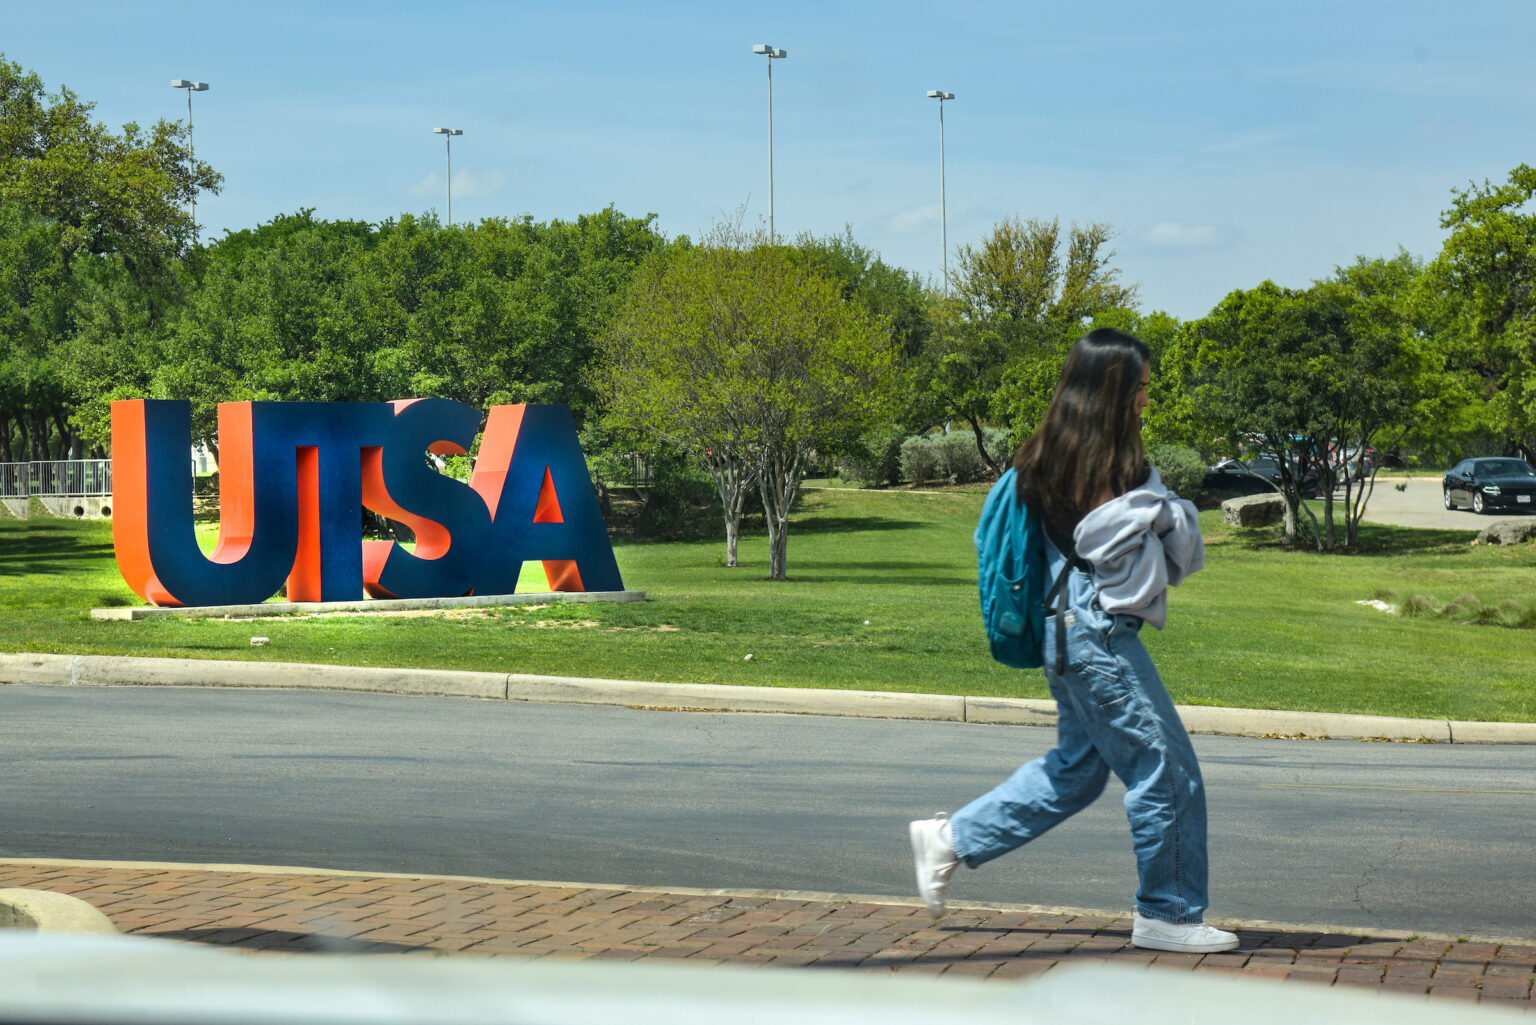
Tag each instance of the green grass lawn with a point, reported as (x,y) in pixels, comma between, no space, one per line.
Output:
(882,597)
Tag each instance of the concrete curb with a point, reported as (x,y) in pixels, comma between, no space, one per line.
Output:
(46,911)
(112,670)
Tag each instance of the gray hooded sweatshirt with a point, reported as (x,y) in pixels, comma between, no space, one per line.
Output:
(1138,545)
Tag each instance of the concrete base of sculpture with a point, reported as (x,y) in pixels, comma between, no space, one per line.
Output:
(365,605)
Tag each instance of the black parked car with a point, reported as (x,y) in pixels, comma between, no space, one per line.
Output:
(1499,482)
(1233,475)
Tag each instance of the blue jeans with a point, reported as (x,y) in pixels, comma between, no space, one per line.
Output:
(1114,714)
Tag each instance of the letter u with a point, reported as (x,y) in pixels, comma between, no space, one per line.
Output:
(152,528)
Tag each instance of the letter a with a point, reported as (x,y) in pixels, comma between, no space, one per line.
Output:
(534,480)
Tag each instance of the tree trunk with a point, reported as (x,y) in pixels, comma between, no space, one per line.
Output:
(37,437)
(1317,533)
(1355,507)
(981,446)
(779,476)
(1325,488)
(732,535)
(778,553)
(1292,523)
(731,479)
(69,447)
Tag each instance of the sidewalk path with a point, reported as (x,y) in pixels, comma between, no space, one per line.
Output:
(306,910)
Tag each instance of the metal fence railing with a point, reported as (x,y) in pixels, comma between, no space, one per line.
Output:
(15,480)
(639,472)
(72,477)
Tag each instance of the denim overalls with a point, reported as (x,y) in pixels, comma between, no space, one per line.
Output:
(1113,715)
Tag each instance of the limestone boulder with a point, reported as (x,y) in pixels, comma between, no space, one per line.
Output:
(1253,510)
(1507,532)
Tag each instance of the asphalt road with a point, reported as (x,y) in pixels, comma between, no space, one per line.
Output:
(1421,503)
(1426,838)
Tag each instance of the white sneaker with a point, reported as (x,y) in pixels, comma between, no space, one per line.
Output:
(1189,938)
(935,859)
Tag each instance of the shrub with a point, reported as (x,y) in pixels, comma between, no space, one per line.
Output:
(999,446)
(679,491)
(1417,605)
(1485,615)
(1182,469)
(919,459)
(958,458)
(873,459)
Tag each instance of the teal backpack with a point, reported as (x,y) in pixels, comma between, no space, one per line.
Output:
(1010,573)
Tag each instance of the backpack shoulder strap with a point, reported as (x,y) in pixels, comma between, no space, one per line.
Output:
(1056,597)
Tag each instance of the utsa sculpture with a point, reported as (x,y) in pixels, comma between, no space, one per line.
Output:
(294,478)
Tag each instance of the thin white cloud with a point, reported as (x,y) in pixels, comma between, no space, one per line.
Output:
(466,184)
(913,219)
(1187,236)
(471,184)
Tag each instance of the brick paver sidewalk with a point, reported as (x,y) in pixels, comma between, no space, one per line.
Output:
(295,911)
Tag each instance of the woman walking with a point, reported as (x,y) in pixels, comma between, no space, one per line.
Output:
(1085,474)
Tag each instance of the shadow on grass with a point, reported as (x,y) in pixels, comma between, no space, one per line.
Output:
(1372,539)
(30,547)
(936,579)
(865,565)
(851,524)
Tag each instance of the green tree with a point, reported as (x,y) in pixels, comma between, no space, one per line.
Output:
(743,354)
(306,309)
(899,296)
(1309,375)
(267,322)
(1019,300)
(893,293)
(1480,295)
(110,204)
(36,295)
(125,193)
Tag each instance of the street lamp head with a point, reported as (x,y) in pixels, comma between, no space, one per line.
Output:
(938,94)
(199,87)
(180,83)
(447,131)
(769,51)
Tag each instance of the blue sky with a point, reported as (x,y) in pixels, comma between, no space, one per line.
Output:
(1226,143)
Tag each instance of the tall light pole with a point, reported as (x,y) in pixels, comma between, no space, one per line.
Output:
(191,87)
(773,53)
(941,96)
(448,134)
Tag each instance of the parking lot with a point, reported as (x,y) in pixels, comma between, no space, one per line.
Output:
(1420,504)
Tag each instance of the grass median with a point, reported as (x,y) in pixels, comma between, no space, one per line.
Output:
(881,597)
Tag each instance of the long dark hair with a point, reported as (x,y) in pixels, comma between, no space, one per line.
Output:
(1089,443)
